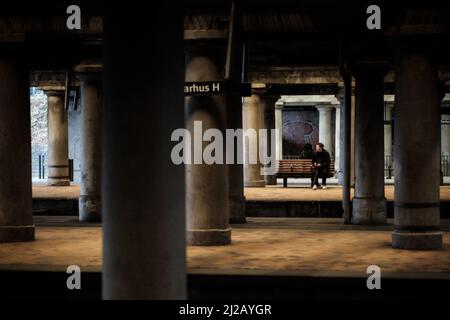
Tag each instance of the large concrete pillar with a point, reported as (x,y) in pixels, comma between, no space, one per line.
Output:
(236,198)
(417,173)
(388,135)
(369,203)
(16,220)
(346,124)
(279,126)
(269,125)
(253,117)
(337,141)
(352,139)
(206,184)
(143,191)
(235,71)
(339,165)
(58,141)
(325,126)
(91,102)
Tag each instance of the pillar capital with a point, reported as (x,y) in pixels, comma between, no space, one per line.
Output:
(88,71)
(279,105)
(259,89)
(324,107)
(53,90)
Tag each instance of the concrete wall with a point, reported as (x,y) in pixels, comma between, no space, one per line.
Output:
(299,128)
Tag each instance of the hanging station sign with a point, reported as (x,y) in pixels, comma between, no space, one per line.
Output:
(210,88)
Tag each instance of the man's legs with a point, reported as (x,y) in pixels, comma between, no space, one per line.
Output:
(315,177)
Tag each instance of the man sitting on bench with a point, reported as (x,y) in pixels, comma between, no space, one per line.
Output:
(320,166)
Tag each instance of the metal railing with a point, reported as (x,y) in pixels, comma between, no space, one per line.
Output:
(296,157)
(291,157)
(388,166)
(38,164)
(39,167)
(445,165)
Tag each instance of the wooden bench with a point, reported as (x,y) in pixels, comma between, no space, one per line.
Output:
(297,168)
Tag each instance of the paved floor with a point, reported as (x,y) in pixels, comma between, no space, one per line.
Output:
(269,193)
(302,192)
(42,191)
(264,245)
(299,193)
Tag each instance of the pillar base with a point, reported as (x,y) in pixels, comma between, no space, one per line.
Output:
(209,237)
(427,240)
(89,209)
(369,211)
(58,183)
(237,210)
(271,180)
(16,233)
(255,184)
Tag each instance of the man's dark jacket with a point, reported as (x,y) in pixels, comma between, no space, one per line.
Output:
(323,158)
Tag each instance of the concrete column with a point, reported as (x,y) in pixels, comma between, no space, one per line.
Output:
(445,135)
(206,184)
(445,145)
(234,71)
(143,191)
(236,198)
(352,140)
(388,134)
(269,124)
(417,173)
(337,141)
(369,203)
(253,117)
(16,220)
(346,124)
(58,141)
(91,102)
(325,126)
(279,126)
(339,165)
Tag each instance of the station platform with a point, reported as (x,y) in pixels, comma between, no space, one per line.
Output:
(294,192)
(268,258)
(297,200)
